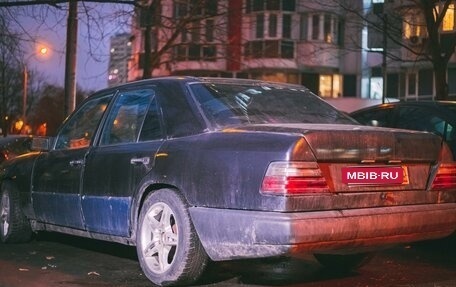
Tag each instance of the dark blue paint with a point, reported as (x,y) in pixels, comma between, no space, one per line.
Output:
(107,215)
(60,209)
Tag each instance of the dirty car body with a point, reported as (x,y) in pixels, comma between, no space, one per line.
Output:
(196,169)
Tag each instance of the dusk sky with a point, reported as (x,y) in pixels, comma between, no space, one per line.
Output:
(93,43)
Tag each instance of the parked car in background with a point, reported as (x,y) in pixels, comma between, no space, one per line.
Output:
(196,169)
(14,145)
(438,117)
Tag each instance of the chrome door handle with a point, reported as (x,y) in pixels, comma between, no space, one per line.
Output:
(140,160)
(76,162)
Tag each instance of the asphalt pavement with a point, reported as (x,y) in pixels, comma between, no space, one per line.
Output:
(54,260)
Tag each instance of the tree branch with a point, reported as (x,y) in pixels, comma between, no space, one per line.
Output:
(56,3)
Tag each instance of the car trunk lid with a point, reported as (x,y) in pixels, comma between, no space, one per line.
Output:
(363,150)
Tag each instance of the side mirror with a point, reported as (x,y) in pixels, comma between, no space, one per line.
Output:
(41,143)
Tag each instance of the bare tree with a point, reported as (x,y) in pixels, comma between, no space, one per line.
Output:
(10,84)
(46,111)
(67,11)
(441,46)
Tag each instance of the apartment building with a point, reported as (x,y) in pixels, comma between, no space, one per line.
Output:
(120,55)
(323,45)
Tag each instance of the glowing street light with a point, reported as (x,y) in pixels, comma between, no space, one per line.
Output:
(43,50)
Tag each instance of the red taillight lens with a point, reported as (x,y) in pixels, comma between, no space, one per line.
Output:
(294,178)
(445,178)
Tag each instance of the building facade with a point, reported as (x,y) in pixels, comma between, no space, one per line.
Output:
(323,45)
(120,56)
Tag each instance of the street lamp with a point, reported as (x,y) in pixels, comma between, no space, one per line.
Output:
(41,52)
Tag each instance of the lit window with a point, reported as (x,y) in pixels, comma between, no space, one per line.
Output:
(330,86)
(414,25)
(448,21)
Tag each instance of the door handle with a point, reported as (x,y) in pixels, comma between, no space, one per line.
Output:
(76,162)
(140,160)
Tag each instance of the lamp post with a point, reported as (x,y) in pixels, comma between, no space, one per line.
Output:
(24,95)
(42,51)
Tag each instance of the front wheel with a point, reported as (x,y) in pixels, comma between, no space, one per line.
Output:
(14,226)
(169,250)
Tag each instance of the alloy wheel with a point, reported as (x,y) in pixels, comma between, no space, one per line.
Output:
(159,237)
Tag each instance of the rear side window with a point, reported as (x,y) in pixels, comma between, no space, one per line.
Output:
(151,129)
(418,118)
(126,117)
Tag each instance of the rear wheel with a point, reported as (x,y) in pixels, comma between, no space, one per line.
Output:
(14,226)
(345,262)
(168,247)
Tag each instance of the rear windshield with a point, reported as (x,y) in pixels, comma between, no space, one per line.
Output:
(240,104)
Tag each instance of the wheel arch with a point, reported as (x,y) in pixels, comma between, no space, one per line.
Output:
(146,189)
(17,226)
(24,196)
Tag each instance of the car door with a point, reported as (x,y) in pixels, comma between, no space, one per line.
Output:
(125,153)
(57,174)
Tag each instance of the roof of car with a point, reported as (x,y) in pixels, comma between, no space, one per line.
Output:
(409,103)
(190,79)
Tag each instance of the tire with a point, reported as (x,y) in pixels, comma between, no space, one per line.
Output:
(169,250)
(14,226)
(344,263)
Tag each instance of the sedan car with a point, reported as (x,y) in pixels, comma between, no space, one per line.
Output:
(196,169)
(438,117)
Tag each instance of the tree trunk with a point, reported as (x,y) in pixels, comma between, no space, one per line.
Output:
(440,78)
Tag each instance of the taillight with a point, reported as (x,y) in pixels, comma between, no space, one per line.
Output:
(294,178)
(445,177)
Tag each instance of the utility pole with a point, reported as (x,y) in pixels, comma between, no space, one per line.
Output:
(385,44)
(379,9)
(70,58)
(24,94)
(147,20)
(4,119)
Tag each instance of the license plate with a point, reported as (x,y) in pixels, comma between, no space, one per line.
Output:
(375,175)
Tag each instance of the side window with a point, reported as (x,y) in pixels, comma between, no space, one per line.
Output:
(151,128)
(125,120)
(376,118)
(80,128)
(416,118)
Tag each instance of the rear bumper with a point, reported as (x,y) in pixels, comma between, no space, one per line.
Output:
(234,234)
